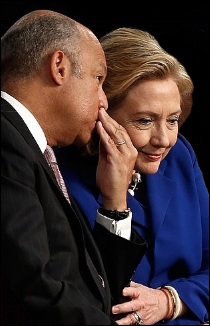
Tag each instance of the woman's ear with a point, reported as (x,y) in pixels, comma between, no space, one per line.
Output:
(59,65)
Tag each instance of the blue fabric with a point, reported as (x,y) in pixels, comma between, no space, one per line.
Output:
(173,217)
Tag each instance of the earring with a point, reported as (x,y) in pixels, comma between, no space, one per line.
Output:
(136,178)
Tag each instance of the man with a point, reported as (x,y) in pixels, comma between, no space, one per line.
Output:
(53,70)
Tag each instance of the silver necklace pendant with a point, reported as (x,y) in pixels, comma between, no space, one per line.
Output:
(136,179)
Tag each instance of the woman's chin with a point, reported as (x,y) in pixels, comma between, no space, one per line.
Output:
(147,168)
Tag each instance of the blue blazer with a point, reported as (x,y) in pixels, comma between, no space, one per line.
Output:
(171,211)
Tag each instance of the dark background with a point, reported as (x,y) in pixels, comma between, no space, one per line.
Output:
(181,31)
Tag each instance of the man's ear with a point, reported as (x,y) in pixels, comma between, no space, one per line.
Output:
(58,66)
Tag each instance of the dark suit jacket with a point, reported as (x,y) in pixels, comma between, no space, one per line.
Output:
(51,269)
(171,211)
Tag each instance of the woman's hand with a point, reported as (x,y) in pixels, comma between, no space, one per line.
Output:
(151,305)
(117,157)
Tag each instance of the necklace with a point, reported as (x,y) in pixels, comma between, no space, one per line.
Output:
(136,179)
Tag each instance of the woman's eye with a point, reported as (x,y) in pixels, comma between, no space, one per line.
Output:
(173,121)
(144,123)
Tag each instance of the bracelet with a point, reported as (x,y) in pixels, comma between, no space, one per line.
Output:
(176,300)
(170,304)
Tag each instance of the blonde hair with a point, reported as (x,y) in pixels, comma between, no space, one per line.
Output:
(135,55)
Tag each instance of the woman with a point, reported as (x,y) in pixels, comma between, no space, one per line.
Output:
(150,94)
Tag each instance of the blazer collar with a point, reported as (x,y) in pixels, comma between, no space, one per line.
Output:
(160,191)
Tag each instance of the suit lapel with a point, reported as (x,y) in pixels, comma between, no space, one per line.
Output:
(10,113)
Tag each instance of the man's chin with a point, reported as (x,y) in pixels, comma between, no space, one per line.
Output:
(81,142)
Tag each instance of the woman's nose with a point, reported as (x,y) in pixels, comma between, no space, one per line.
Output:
(160,137)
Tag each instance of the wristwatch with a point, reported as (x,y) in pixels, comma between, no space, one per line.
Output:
(115,215)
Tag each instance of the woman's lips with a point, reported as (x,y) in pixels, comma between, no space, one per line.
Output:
(152,157)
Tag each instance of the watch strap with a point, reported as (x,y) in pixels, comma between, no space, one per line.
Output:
(114,214)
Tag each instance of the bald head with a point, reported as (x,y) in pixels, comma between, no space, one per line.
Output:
(35,36)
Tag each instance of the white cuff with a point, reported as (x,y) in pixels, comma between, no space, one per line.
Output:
(121,228)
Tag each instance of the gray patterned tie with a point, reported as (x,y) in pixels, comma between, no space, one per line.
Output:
(51,159)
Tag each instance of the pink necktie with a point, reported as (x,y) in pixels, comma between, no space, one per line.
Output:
(51,159)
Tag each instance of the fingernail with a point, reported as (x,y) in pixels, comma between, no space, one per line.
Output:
(125,291)
(115,310)
(102,109)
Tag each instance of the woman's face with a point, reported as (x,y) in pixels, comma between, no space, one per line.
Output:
(150,113)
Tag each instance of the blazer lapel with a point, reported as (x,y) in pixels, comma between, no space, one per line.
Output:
(160,191)
(10,113)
